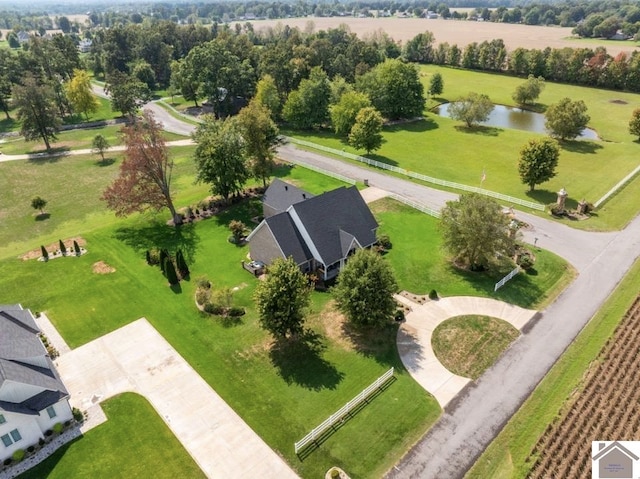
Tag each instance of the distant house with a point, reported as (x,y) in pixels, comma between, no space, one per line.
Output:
(614,461)
(431,15)
(318,232)
(23,37)
(85,45)
(619,35)
(32,396)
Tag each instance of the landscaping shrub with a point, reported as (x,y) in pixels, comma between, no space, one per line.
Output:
(30,449)
(525,261)
(385,241)
(18,455)
(76,247)
(48,432)
(399,315)
(181,264)
(335,474)
(237,229)
(203,295)
(41,442)
(77,414)
(163,260)
(45,255)
(554,210)
(8,461)
(57,427)
(67,423)
(63,248)
(203,282)
(236,312)
(153,256)
(213,309)
(170,272)
(433,294)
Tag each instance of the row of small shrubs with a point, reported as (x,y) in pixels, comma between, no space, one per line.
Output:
(212,205)
(63,249)
(19,454)
(51,351)
(170,267)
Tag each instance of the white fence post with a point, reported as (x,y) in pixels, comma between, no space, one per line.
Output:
(501,283)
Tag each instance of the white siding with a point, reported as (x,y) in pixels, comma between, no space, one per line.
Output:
(26,426)
(63,413)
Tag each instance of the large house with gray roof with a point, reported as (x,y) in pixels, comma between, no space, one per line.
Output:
(32,396)
(318,232)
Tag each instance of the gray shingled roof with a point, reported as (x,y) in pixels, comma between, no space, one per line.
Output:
(288,237)
(328,216)
(19,342)
(280,195)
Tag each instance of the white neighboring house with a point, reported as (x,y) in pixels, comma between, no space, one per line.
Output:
(32,396)
(84,46)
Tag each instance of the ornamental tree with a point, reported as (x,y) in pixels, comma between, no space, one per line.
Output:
(528,92)
(634,123)
(343,114)
(365,288)
(282,298)
(566,119)
(80,95)
(472,109)
(144,181)
(366,133)
(475,231)
(39,203)
(538,161)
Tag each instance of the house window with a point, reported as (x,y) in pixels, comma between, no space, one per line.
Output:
(13,436)
(2,419)
(52,412)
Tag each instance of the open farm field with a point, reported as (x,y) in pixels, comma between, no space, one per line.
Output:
(573,393)
(454,32)
(443,148)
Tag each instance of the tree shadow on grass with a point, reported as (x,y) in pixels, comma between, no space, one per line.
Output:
(159,235)
(479,130)
(176,288)
(43,216)
(420,126)
(106,162)
(543,196)
(299,361)
(581,146)
(377,342)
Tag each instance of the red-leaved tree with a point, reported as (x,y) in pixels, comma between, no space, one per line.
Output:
(145,174)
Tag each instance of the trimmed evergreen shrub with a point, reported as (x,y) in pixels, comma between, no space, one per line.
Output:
(18,455)
(385,241)
(57,427)
(433,294)
(30,449)
(213,309)
(399,315)
(77,414)
(41,442)
(170,271)
(236,312)
(163,260)
(148,257)
(7,461)
(181,264)
(45,255)
(63,248)
(76,247)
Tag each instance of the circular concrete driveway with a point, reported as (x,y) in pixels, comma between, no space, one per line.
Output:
(414,338)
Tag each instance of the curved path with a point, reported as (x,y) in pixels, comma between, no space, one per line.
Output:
(414,338)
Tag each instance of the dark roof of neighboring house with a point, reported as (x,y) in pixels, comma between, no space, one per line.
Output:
(19,342)
(280,195)
(334,216)
(611,447)
(288,237)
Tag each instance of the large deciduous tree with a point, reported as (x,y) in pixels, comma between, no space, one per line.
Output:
(80,95)
(420,48)
(566,119)
(344,113)
(37,110)
(267,94)
(308,106)
(365,288)
(260,136)
(366,132)
(528,92)
(220,156)
(436,84)
(127,93)
(394,88)
(475,231)
(281,299)
(538,161)
(145,173)
(634,123)
(472,109)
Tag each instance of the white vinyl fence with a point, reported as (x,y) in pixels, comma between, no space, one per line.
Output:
(501,283)
(417,206)
(343,411)
(337,176)
(418,176)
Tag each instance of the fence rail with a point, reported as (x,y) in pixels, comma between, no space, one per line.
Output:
(337,176)
(618,185)
(343,411)
(501,283)
(417,206)
(418,176)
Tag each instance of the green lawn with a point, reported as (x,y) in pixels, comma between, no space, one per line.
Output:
(137,442)
(72,140)
(421,265)
(469,345)
(506,456)
(443,148)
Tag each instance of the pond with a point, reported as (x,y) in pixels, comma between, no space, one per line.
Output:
(516,119)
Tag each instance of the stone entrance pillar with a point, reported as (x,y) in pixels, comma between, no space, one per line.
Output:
(562,197)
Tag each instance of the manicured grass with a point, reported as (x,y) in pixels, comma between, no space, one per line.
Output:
(469,345)
(73,140)
(506,456)
(421,264)
(171,108)
(443,148)
(133,442)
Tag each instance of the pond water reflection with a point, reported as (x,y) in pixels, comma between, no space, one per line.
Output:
(507,117)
